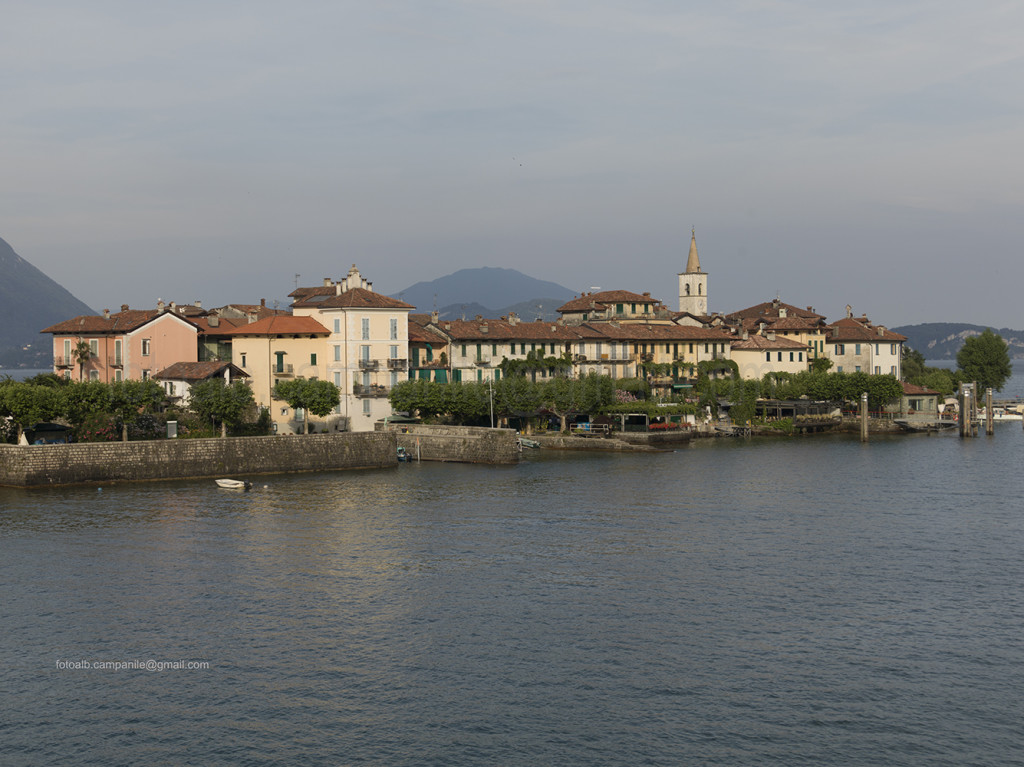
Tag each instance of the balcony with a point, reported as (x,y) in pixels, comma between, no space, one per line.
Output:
(284,371)
(369,364)
(481,362)
(115,362)
(64,362)
(373,390)
(397,364)
(579,358)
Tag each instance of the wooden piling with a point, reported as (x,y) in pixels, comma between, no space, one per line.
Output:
(990,421)
(864,417)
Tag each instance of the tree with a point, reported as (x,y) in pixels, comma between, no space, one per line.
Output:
(311,395)
(85,399)
(216,400)
(986,360)
(821,365)
(132,398)
(27,404)
(82,354)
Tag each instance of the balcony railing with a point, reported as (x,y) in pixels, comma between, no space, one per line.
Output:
(64,362)
(115,362)
(283,371)
(373,390)
(369,364)
(481,362)
(397,364)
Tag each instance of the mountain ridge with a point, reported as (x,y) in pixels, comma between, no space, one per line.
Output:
(942,340)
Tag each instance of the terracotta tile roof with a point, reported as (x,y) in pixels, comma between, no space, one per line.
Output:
(358,298)
(224,325)
(281,325)
(859,329)
(199,371)
(771,309)
(757,342)
(915,390)
(502,330)
(121,322)
(421,335)
(605,298)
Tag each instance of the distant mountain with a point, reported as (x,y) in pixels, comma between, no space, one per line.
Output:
(942,340)
(29,302)
(484,291)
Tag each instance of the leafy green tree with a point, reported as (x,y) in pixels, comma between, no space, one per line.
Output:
(85,399)
(216,401)
(131,399)
(312,395)
(986,360)
(821,365)
(27,404)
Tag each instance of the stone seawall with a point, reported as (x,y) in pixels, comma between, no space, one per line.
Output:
(459,444)
(25,466)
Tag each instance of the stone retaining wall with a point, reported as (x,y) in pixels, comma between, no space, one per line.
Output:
(460,444)
(34,465)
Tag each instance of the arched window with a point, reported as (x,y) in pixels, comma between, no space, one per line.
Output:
(699,289)
(687,289)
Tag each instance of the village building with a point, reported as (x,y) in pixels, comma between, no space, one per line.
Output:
(179,378)
(367,348)
(855,345)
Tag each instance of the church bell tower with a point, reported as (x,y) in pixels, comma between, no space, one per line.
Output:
(693,283)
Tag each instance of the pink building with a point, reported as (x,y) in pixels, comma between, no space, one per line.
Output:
(133,343)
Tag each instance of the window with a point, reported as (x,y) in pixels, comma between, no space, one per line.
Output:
(366,328)
(366,406)
(618,308)
(394,378)
(892,348)
(800,356)
(767,356)
(337,378)
(394,351)
(145,375)
(279,363)
(878,370)
(94,375)
(632,308)
(494,350)
(300,414)
(337,353)
(364,353)
(117,375)
(243,360)
(856,368)
(67,350)
(394,330)
(145,347)
(705,348)
(791,356)
(691,348)
(840,349)
(876,348)
(117,352)
(893,370)
(779,358)
(463,350)
(856,349)
(312,359)
(169,388)
(366,379)
(839,369)
(94,347)
(337,326)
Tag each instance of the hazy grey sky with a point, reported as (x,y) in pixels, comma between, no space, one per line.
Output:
(830,153)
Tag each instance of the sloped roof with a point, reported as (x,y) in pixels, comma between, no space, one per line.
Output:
(860,329)
(758,342)
(281,325)
(120,322)
(605,298)
(502,330)
(771,309)
(910,389)
(199,371)
(358,298)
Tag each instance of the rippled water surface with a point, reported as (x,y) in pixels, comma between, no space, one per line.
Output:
(807,601)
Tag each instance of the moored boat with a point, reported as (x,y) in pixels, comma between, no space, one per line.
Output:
(233,484)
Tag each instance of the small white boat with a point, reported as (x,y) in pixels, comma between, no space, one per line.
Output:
(233,484)
(999,414)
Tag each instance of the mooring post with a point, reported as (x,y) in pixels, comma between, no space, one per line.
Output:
(962,416)
(990,422)
(864,417)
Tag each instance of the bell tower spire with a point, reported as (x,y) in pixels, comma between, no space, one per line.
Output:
(693,283)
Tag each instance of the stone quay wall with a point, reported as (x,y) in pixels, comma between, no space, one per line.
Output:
(35,465)
(458,444)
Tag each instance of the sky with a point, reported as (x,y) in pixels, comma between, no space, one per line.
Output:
(830,154)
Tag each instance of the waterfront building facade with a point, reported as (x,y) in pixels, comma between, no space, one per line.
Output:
(855,344)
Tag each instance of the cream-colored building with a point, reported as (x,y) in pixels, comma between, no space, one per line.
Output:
(366,351)
(280,348)
(756,354)
(855,344)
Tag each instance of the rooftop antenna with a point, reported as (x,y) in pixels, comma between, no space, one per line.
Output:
(297,281)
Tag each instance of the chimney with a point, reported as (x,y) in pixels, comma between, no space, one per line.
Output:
(263,303)
(214,322)
(782,312)
(881,330)
(124,307)
(447,326)
(745,335)
(849,311)
(435,316)
(327,282)
(811,309)
(173,306)
(483,327)
(159,304)
(199,304)
(479,317)
(106,314)
(771,335)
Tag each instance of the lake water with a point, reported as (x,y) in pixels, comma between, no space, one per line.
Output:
(798,601)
